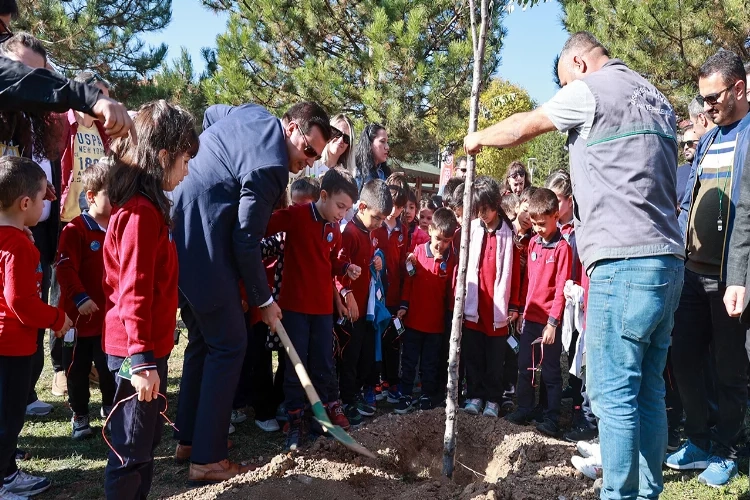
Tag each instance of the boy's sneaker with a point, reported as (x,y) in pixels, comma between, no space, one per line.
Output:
(297,434)
(81,427)
(582,430)
(425,403)
(473,406)
(393,395)
(518,417)
(271,425)
(673,440)
(238,416)
(25,485)
(719,471)
(587,449)
(381,391)
(352,415)
(404,406)
(7,495)
(369,396)
(590,467)
(365,409)
(231,428)
(105,411)
(506,405)
(688,457)
(491,409)
(510,391)
(38,409)
(336,415)
(549,428)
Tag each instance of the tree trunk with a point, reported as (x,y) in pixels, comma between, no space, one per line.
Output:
(449,441)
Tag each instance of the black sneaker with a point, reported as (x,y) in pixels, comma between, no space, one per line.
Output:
(518,417)
(549,428)
(405,405)
(425,403)
(363,408)
(506,406)
(582,434)
(674,439)
(352,415)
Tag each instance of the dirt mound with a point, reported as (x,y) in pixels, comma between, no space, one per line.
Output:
(495,460)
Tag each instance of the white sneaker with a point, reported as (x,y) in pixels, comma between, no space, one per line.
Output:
(587,449)
(231,429)
(7,495)
(26,485)
(589,467)
(268,425)
(238,416)
(81,427)
(38,409)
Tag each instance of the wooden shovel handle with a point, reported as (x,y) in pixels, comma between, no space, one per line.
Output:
(304,378)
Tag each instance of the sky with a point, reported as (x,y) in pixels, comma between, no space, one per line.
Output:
(534,37)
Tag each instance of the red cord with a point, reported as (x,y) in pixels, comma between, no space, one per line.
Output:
(163,414)
(534,367)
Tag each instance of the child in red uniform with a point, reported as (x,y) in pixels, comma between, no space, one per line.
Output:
(549,267)
(493,272)
(424,304)
(313,240)
(426,209)
(416,236)
(80,271)
(140,288)
(357,247)
(392,238)
(23,185)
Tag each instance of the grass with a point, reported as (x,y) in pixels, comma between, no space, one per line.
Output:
(76,468)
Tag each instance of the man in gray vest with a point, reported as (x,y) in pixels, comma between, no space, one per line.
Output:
(623,158)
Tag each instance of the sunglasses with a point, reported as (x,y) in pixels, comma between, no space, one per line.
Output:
(516,175)
(689,144)
(336,133)
(309,151)
(712,99)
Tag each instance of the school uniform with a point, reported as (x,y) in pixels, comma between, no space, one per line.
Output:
(140,290)
(80,271)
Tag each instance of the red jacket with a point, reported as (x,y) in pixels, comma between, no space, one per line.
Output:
(427,292)
(80,272)
(549,267)
(394,246)
(67,151)
(417,237)
(310,259)
(140,284)
(22,311)
(357,247)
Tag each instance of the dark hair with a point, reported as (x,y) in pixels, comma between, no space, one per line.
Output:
(582,42)
(449,189)
(339,180)
(9,7)
(727,64)
(444,220)
(486,194)
(309,187)
(136,167)
(456,199)
(363,160)
(91,77)
(527,193)
(399,187)
(377,195)
(19,177)
(23,39)
(509,203)
(543,202)
(411,196)
(94,178)
(307,115)
(559,182)
(556,72)
(460,161)
(517,167)
(427,204)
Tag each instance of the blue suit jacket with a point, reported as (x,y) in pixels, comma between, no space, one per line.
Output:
(222,208)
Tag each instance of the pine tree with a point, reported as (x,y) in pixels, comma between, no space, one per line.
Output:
(404,63)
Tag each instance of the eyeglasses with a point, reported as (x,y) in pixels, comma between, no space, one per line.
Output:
(516,175)
(712,99)
(689,144)
(309,151)
(336,133)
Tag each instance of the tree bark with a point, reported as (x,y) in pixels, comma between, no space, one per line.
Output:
(479,38)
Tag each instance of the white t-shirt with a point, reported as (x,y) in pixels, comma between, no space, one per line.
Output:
(573,107)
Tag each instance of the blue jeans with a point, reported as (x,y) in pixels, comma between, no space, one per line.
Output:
(629,321)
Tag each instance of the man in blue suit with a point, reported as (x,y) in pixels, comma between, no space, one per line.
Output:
(220,213)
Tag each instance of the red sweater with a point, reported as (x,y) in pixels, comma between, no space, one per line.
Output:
(310,259)
(22,311)
(358,249)
(80,272)
(394,246)
(427,292)
(549,267)
(140,284)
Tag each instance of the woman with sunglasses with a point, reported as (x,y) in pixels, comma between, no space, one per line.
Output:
(338,151)
(371,155)
(517,179)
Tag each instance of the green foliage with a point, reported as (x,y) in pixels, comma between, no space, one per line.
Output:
(102,35)
(665,40)
(550,153)
(404,63)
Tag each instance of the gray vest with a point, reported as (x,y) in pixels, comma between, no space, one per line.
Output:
(624,175)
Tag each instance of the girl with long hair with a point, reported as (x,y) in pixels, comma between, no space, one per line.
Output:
(372,155)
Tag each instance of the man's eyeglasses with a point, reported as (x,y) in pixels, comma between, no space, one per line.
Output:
(309,151)
(336,133)
(689,144)
(712,99)
(516,175)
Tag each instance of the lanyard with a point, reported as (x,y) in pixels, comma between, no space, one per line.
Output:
(719,218)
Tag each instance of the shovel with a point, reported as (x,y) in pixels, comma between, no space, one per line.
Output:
(318,409)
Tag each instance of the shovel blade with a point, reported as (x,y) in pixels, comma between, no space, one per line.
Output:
(338,433)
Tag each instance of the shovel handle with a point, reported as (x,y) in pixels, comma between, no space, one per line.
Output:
(304,378)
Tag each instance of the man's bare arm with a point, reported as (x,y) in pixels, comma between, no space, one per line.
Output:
(514,130)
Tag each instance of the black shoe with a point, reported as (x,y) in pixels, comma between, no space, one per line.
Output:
(674,440)
(518,417)
(404,406)
(549,428)
(425,403)
(352,415)
(506,406)
(585,432)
